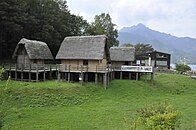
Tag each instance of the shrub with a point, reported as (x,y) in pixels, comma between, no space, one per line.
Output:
(2,70)
(159,117)
(182,68)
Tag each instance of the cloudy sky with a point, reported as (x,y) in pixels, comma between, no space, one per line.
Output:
(176,17)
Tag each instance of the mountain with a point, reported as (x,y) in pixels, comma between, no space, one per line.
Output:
(182,49)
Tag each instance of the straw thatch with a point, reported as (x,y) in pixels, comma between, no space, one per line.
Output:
(84,47)
(122,53)
(35,49)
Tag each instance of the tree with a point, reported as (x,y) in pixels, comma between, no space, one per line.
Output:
(45,20)
(128,45)
(103,25)
(11,30)
(143,48)
(182,68)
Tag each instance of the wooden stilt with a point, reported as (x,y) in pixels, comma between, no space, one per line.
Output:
(50,73)
(29,72)
(58,73)
(69,73)
(145,76)
(152,76)
(113,74)
(121,75)
(86,77)
(9,73)
(44,74)
(22,72)
(105,80)
(108,75)
(137,76)
(96,78)
(37,73)
(81,76)
(16,72)
(129,75)
(65,76)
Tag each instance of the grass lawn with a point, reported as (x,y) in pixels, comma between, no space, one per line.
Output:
(64,106)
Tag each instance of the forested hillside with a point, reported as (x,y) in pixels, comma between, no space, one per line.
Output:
(46,20)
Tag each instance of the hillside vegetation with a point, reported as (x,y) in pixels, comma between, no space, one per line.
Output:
(60,105)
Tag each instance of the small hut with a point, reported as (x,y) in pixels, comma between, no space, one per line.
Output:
(31,56)
(84,58)
(122,55)
(31,52)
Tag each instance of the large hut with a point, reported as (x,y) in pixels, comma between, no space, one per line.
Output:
(122,55)
(91,51)
(31,52)
(86,55)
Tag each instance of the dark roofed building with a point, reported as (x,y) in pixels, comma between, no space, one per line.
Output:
(122,55)
(32,52)
(159,60)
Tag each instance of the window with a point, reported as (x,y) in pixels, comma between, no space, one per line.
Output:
(34,61)
(126,63)
(85,62)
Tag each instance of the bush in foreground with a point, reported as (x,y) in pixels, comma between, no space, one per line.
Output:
(157,117)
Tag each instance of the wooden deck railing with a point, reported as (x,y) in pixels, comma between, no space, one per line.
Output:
(27,67)
(76,68)
(83,68)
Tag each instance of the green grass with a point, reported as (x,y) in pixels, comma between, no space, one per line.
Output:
(59,105)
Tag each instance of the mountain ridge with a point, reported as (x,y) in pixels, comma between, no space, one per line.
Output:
(179,47)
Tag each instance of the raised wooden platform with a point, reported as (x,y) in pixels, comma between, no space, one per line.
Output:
(103,74)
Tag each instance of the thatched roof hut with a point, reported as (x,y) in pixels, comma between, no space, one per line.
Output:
(122,54)
(36,50)
(84,48)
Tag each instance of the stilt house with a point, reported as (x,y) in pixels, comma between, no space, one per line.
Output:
(31,56)
(31,52)
(84,58)
(122,55)
(86,51)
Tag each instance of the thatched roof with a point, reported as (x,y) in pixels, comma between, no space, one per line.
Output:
(122,53)
(35,49)
(84,47)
